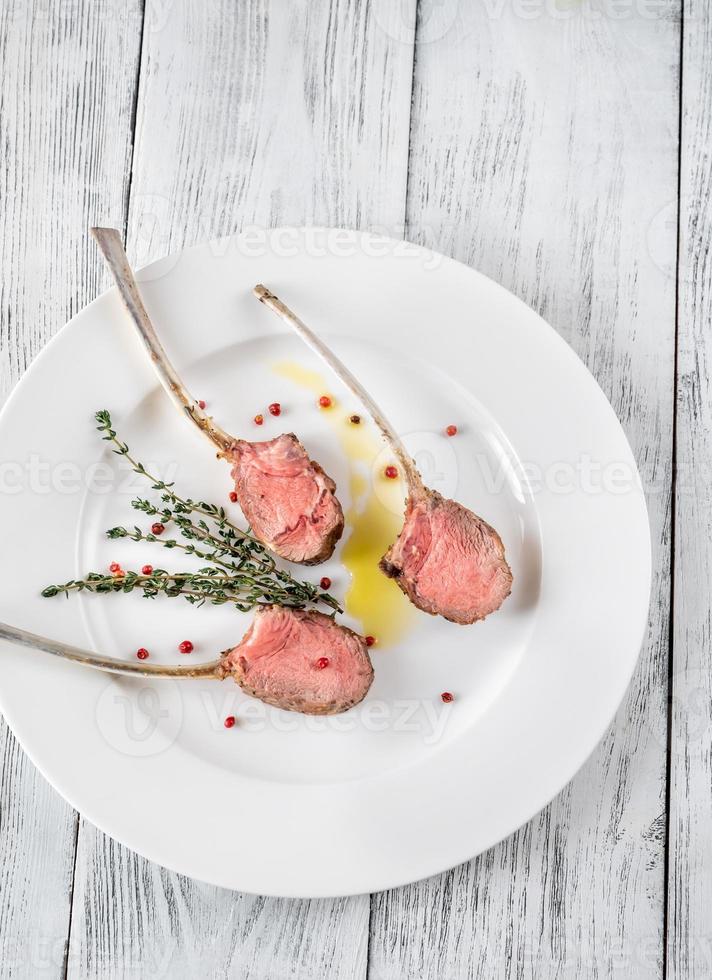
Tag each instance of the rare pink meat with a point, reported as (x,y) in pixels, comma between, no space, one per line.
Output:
(301,661)
(448,561)
(287,499)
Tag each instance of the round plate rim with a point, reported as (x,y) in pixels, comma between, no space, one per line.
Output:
(427,868)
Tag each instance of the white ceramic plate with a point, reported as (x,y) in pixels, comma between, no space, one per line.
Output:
(403,786)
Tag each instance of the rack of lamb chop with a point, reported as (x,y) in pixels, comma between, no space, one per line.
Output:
(287,498)
(447,560)
(296,659)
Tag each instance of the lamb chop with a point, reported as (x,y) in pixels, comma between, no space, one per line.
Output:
(293,659)
(301,660)
(447,560)
(287,498)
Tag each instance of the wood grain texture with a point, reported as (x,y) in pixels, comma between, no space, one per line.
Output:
(65,124)
(690,889)
(264,114)
(139,920)
(249,114)
(37,846)
(544,152)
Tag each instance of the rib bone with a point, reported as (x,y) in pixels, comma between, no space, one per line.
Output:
(112,666)
(109,241)
(354,386)
(294,511)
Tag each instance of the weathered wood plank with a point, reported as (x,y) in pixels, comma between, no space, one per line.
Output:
(260,114)
(249,114)
(65,124)
(544,152)
(139,920)
(690,878)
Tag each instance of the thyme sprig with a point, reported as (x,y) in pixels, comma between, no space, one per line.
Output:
(241,570)
(179,505)
(190,549)
(205,585)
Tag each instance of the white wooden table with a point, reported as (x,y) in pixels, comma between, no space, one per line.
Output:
(563,147)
